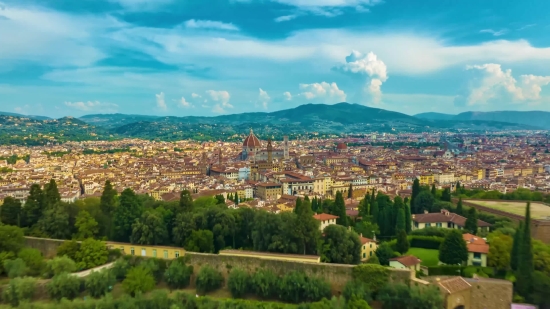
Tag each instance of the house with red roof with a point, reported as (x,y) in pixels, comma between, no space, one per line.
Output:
(477,250)
(325,220)
(410,262)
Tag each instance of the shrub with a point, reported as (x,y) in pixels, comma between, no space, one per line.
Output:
(238,282)
(296,287)
(178,274)
(208,280)
(431,231)
(33,259)
(356,289)
(374,276)
(265,283)
(120,269)
(157,267)
(59,265)
(92,253)
(15,268)
(68,248)
(98,283)
(138,280)
(63,285)
(426,242)
(19,290)
(4,256)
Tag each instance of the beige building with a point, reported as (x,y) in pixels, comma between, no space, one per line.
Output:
(444,219)
(445,178)
(325,220)
(368,248)
(410,262)
(477,250)
(269,191)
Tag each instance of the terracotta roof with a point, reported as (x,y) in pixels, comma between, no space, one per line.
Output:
(324,217)
(365,240)
(251,141)
(342,146)
(441,217)
(476,244)
(407,260)
(454,285)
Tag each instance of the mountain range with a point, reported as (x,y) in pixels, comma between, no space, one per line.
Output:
(315,119)
(531,118)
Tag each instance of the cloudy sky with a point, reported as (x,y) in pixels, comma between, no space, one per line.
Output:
(208,57)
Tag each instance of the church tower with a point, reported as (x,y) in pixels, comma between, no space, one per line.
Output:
(269,151)
(286,155)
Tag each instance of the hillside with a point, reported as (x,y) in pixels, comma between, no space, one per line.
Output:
(531,118)
(24,116)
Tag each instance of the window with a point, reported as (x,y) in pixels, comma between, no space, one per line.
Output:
(165,254)
(370,253)
(477,255)
(122,249)
(416,224)
(177,254)
(438,224)
(364,255)
(363,247)
(132,252)
(154,252)
(143,252)
(428,224)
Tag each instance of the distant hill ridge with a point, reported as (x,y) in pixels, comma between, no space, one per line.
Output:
(532,118)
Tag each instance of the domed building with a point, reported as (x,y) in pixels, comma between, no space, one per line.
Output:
(341,148)
(251,146)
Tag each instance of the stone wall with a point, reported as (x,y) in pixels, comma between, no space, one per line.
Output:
(47,246)
(491,293)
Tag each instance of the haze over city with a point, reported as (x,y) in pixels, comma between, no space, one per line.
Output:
(167,57)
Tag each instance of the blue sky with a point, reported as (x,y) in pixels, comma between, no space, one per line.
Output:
(210,57)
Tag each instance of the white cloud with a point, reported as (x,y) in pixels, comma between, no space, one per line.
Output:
(287,96)
(221,97)
(141,5)
(195,96)
(498,84)
(322,92)
(185,104)
(22,109)
(210,24)
(371,66)
(161,103)
(285,18)
(264,98)
(494,32)
(329,8)
(93,106)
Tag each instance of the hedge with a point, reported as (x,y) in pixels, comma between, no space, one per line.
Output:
(465,271)
(425,242)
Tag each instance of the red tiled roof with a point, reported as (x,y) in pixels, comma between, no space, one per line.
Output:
(324,217)
(454,285)
(407,260)
(441,217)
(365,240)
(476,244)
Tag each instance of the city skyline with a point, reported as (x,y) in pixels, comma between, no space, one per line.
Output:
(182,58)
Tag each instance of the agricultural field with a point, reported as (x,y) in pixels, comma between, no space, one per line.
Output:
(538,210)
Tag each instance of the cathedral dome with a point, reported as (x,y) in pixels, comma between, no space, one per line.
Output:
(251,141)
(341,146)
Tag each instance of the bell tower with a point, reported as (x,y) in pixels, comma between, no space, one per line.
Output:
(269,151)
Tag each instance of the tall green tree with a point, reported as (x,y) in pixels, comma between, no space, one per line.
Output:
(415,190)
(307,228)
(108,198)
(401,220)
(150,229)
(424,201)
(34,206)
(86,225)
(366,228)
(516,247)
(340,245)
(375,212)
(51,194)
(184,225)
(433,191)
(457,187)
(408,219)
(126,214)
(524,275)
(55,222)
(446,195)
(453,249)
(10,211)
(200,241)
(350,191)
(186,201)
(402,245)
(471,221)
(298,206)
(459,209)
(364,210)
(340,210)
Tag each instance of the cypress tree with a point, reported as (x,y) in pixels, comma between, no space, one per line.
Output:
(471,221)
(402,245)
(340,210)
(415,190)
(433,189)
(408,219)
(446,196)
(514,255)
(350,191)
(298,206)
(524,275)
(401,220)
(186,201)
(457,188)
(108,198)
(459,210)
(34,207)
(51,194)
(374,212)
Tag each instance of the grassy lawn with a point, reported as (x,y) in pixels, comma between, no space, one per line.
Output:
(538,210)
(429,257)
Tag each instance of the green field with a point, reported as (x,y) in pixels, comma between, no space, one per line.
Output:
(538,210)
(429,257)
